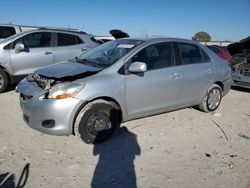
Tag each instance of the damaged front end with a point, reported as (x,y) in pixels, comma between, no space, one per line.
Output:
(55,82)
(241,71)
(47,96)
(42,88)
(41,81)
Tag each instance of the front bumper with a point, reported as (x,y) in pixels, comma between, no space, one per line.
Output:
(49,116)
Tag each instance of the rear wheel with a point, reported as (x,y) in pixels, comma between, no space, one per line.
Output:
(212,99)
(3,81)
(97,121)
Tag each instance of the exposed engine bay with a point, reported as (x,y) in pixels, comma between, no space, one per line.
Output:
(240,52)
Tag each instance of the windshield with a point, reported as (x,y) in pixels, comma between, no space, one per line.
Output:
(107,54)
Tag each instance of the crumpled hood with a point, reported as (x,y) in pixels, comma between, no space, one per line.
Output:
(67,70)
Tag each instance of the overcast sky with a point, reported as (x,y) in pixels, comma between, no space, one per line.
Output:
(222,19)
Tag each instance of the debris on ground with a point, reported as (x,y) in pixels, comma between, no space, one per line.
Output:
(217,114)
(231,165)
(220,128)
(233,156)
(244,136)
(208,155)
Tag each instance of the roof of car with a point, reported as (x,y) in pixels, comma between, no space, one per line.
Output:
(52,30)
(63,30)
(158,38)
(13,37)
(37,26)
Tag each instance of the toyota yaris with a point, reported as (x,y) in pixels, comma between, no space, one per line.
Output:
(119,81)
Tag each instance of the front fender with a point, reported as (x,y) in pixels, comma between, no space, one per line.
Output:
(105,87)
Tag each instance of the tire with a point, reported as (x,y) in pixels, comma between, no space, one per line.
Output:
(212,99)
(4,81)
(88,124)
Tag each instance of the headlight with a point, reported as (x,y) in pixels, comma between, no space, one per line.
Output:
(65,90)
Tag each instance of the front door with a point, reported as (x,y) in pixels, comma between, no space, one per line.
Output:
(156,89)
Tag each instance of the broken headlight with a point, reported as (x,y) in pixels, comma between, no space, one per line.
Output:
(65,90)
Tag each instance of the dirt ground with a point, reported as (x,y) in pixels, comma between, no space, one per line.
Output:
(185,148)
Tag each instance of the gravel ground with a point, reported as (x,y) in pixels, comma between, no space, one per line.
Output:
(185,148)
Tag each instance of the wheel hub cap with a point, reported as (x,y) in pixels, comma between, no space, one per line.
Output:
(214,99)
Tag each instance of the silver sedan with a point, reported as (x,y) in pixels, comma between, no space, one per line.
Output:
(120,81)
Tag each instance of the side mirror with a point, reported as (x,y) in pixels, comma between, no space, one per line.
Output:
(19,47)
(137,67)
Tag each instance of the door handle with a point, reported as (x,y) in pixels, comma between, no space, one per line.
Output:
(84,49)
(209,70)
(175,75)
(47,53)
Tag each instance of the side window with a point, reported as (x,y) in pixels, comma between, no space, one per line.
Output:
(205,57)
(189,53)
(152,51)
(156,56)
(79,40)
(36,40)
(67,39)
(6,32)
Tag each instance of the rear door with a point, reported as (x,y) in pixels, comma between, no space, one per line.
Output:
(68,46)
(38,53)
(195,72)
(158,87)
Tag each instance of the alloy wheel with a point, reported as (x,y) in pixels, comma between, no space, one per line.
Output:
(214,98)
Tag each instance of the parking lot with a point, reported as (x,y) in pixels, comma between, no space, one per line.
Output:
(185,148)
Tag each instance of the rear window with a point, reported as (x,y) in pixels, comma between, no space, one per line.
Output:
(6,32)
(214,49)
(68,39)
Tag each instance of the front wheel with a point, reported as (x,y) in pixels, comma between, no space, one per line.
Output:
(212,99)
(97,121)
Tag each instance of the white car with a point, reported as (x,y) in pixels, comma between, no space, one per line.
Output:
(23,53)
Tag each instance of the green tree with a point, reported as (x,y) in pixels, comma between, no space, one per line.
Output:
(202,37)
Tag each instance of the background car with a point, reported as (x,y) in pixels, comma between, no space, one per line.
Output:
(7,30)
(222,52)
(23,53)
(241,62)
(122,80)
